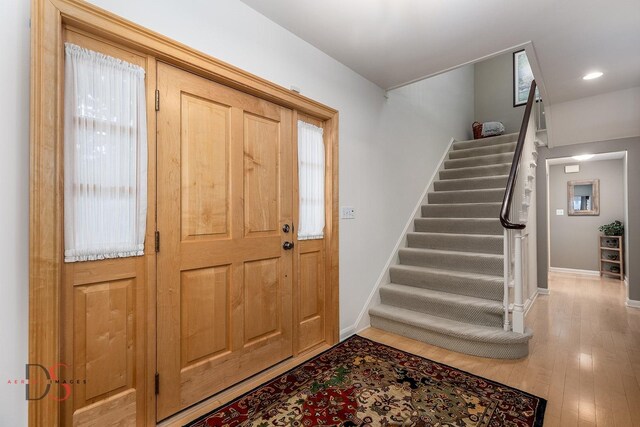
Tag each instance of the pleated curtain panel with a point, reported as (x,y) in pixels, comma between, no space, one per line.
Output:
(105,157)
(311,174)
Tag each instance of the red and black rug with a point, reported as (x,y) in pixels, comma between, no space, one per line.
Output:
(363,383)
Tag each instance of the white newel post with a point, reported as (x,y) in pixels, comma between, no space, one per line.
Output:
(518,307)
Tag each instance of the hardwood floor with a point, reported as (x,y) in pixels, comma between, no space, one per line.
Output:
(584,357)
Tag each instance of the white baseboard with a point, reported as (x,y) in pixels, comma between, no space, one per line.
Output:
(362,322)
(573,271)
(632,303)
(347,332)
(543,291)
(351,330)
(529,303)
(629,302)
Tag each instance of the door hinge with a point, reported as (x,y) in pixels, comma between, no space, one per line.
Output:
(157,385)
(157,241)
(157,100)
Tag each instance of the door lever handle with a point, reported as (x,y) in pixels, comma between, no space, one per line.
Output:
(287,246)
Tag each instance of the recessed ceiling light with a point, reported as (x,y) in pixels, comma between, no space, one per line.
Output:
(593,75)
(583,157)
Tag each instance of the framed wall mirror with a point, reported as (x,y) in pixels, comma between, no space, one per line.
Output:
(583,197)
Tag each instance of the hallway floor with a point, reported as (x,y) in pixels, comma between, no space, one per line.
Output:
(584,357)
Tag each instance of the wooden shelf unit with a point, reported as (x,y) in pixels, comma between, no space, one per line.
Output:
(611,245)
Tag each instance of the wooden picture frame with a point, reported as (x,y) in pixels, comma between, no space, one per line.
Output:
(594,208)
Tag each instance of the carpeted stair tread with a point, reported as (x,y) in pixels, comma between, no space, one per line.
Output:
(499,181)
(482,243)
(484,142)
(456,282)
(454,328)
(461,210)
(448,285)
(508,147)
(476,171)
(471,262)
(443,304)
(459,225)
(491,159)
(507,350)
(484,195)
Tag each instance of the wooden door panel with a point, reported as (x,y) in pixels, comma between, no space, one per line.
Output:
(311,294)
(204,309)
(104,306)
(310,285)
(205,167)
(261,176)
(117,410)
(105,336)
(262,296)
(224,280)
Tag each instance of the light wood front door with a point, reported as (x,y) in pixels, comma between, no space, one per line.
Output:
(224,280)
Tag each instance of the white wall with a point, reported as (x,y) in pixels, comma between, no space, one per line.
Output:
(494,93)
(388,147)
(14,214)
(420,101)
(603,117)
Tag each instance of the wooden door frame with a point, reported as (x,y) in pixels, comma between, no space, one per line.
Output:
(45,185)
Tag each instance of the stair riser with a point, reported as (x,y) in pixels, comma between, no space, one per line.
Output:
(483,151)
(478,161)
(461,211)
(476,196)
(454,262)
(470,226)
(479,244)
(446,309)
(461,345)
(469,286)
(475,172)
(470,184)
(485,142)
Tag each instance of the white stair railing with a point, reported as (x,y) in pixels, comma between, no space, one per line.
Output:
(517,201)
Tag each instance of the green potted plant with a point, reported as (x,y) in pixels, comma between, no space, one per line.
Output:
(616,228)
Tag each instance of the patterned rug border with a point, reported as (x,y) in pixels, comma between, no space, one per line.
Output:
(540,411)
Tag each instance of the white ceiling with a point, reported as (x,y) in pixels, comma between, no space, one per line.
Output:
(616,155)
(392,42)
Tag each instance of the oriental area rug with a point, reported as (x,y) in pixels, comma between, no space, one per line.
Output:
(364,383)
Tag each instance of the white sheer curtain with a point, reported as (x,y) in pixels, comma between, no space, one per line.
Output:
(105,157)
(310,181)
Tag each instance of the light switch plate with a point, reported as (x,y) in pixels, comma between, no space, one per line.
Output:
(559,211)
(348,212)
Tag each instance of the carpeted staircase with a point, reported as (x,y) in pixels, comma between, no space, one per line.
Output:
(447,289)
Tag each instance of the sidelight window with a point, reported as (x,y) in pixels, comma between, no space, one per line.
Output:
(105,156)
(311,178)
